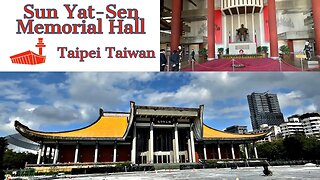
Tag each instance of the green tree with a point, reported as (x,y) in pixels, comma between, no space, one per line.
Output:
(311,148)
(271,150)
(14,160)
(294,146)
(291,148)
(3,147)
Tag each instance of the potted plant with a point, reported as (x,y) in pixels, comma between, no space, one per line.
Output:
(285,52)
(203,53)
(263,50)
(220,52)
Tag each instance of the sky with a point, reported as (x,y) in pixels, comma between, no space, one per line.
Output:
(66,101)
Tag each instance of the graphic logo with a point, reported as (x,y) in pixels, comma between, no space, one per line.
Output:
(29,57)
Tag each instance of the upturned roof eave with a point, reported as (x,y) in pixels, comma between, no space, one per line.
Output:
(31,134)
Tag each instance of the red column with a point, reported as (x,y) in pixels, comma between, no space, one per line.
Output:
(274,52)
(211,29)
(316,20)
(290,45)
(176,24)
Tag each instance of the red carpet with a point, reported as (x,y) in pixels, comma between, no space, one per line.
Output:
(247,65)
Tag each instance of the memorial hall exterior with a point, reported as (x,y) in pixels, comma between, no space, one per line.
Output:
(145,135)
(213,24)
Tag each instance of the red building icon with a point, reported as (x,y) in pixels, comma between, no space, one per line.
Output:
(30,57)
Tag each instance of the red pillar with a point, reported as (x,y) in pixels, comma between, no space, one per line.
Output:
(290,45)
(176,24)
(211,29)
(274,52)
(316,20)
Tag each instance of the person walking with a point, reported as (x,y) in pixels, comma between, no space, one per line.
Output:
(193,55)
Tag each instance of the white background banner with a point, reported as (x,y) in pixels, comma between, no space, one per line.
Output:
(140,27)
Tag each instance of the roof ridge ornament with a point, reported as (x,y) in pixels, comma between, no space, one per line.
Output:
(101,112)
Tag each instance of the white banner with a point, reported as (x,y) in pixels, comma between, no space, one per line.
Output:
(70,35)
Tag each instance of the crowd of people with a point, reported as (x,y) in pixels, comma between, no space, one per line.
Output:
(174,61)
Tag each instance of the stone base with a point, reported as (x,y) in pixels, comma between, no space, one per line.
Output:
(243,48)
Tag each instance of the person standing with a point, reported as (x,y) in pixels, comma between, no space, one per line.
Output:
(180,51)
(193,55)
(163,60)
(308,50)
(174,60)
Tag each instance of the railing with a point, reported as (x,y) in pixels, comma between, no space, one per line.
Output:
(183,156)
(163,156)
(143,157)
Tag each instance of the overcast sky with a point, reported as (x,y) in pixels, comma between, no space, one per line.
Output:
(63,101)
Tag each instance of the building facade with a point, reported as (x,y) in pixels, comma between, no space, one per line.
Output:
(272,132)
(145,135)
(237,129)
(311,124)
(292,127)
(264,109)
(212,24)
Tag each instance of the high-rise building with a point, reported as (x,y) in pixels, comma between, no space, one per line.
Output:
(264,109)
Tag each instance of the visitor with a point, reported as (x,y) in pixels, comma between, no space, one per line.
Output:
(174,60)
(163,60)
(266,171)
(308,50)
(180,51)
(192,55)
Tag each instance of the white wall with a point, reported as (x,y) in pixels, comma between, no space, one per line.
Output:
(291,22)
(198,28)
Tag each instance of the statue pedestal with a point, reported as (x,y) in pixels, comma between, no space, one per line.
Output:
(242,48)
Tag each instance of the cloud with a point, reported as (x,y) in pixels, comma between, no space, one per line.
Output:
(293,98)
(187,95)
(11,90)
(43,101)
(52,114)
(104,88)
(306,109)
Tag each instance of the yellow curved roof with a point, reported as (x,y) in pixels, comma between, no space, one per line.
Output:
(209,133)
(106,126)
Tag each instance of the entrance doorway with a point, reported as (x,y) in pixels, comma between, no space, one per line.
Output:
(163,146)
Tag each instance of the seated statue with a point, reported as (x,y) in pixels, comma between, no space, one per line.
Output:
(242,33)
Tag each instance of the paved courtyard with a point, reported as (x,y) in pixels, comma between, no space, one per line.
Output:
(283,172)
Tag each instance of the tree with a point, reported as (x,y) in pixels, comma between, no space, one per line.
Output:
(291,148)
(271,150)
(3,147)
(311,148)
(14,160)
(294,146)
